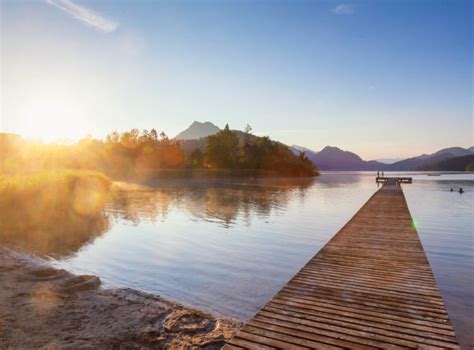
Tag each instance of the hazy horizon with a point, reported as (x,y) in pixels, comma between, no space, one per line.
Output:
(381,79)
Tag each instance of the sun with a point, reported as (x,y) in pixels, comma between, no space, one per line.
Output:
(52,118)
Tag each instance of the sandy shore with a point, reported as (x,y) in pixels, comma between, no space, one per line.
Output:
(45,308)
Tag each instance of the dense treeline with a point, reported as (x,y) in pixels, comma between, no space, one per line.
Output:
(225,150)
(147,154)
(120,155)
(463,163)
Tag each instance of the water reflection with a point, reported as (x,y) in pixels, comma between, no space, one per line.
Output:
(229,246)
(219,202)
(60,241)
(225,245)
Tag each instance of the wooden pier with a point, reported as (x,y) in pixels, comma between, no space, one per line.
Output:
(370,286)
(393,180)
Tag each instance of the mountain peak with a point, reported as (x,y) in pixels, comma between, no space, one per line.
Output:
(332,149)
(455,151)
(198,130)
(334,158)
(339,154)
(199,124)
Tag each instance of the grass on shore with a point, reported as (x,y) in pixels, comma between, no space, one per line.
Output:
(52,211)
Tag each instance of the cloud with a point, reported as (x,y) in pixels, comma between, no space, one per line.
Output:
(343,9)
(85,15)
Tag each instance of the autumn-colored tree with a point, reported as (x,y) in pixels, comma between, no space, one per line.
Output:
(222,149)
(133,153)
(196,159)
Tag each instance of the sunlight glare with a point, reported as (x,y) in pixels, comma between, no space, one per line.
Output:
(53,118)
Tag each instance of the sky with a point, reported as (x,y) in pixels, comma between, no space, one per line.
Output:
(379,78)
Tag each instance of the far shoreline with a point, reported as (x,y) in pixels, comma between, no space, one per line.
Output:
(205,173)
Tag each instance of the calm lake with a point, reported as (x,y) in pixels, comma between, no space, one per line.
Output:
(228,246)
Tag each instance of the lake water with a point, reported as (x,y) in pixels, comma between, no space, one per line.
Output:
(228,246)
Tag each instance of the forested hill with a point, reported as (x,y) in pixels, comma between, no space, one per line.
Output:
(422,161)
(463,163)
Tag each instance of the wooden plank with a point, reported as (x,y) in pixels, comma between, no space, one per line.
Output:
(243,343)
(370,286)
(402,313)
(320,336)
(355,322)
(363,304)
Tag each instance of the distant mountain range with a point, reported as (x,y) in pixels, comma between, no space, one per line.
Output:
(423,161)
(333,158)
(451,164)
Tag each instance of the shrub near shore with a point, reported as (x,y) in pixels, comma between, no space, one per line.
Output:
(53,212)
